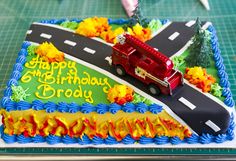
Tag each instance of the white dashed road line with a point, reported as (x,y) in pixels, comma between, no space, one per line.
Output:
(29,32)
(187,103)
(47,36)
(212,125)
(91,51)
(190,23)
(71,43)
(173,36)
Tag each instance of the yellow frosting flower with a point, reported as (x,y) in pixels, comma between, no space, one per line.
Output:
(139,32)
(49,52)
(93,27)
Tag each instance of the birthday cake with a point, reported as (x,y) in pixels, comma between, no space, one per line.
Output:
(103,81)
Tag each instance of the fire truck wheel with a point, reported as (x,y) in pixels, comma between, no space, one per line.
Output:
(120,70)
(153,89)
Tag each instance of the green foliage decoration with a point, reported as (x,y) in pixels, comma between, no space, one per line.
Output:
(141,99)
(178,61)
(70,25)
(200,51)
(31,49)
(18,93)
(216,90)
(154,25)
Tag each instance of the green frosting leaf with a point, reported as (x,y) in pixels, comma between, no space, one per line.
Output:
(216,90)
(18,93)
(178,61)
(70,25)
(141,99)
(154,25)
(31,49)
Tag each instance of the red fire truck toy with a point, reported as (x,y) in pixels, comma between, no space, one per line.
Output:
(146,64)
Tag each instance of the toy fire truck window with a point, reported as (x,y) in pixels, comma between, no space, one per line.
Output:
(148,61)
(124,56)
(117,53)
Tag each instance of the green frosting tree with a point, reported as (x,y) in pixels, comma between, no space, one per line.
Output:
(200,50)
(137,16)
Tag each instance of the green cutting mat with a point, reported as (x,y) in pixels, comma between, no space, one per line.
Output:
(16,17)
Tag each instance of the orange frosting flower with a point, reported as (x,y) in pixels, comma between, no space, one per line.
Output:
(49,53)
(120,94)
(140,33)
(93,27)
(199,77)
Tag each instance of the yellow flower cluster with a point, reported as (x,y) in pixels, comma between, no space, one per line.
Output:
(199,77)
(99,27)
(120,94)
(49,53)
(93,27)
(140,33)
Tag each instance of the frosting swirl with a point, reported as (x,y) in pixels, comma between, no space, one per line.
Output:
(38,139)
(226,92)
(21,59)
(10,106)
(87,108)
(50,107)
(229,101)
(12,82)
(145,140)
(23,105)
(154,108)
(193,139)
(110,140)
(128,140)
(37,105)
(85,140)
(73,107)
(129,107)
(161,140)
(53,139)
(9,138)
(5,100)
(97,140)
(102,108)
(224,83)
(114,108)
(25,44)
(8,92)
(62,107)
(15,75)
(175,140)
(222,74)
(23,52)
(220,138)
(68,140)
(206,138)
(22,139)
(141,107)
(18,66)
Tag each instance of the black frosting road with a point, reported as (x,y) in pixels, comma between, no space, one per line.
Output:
(169,47)
(206,109)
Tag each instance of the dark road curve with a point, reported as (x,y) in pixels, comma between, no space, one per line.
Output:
(169,47)
(206,109)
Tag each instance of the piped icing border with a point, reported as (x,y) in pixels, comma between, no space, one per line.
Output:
(85,140)
(119,21)
(224,82)
(50,107)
